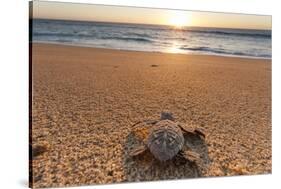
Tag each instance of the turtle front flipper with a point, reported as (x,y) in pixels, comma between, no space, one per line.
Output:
(137,151)
(200,132)
(191,129)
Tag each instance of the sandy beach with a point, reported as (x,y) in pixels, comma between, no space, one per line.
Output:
(85,101)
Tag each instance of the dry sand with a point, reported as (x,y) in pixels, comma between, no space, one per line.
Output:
(86,99)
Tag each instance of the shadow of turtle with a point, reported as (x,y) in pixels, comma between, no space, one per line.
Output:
(146,168)
(198,145)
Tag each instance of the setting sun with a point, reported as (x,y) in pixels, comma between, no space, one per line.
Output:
(179,19)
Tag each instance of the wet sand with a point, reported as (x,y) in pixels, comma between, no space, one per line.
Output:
(85,101)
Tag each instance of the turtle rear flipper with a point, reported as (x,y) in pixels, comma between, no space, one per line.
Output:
(138,150)
(193,157)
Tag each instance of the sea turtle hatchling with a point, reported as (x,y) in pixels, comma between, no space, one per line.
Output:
(165,139)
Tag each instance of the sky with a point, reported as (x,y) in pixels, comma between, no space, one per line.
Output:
(177,18)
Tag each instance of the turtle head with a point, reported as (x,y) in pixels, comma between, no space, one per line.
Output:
(167,115)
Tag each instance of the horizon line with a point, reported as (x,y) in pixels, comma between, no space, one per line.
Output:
(108,22)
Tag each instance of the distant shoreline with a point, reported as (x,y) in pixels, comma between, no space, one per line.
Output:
(153,38)
(193,54)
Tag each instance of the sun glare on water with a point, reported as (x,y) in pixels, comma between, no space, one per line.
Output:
(179,20)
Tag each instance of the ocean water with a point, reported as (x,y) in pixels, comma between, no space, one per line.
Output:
(152,38)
